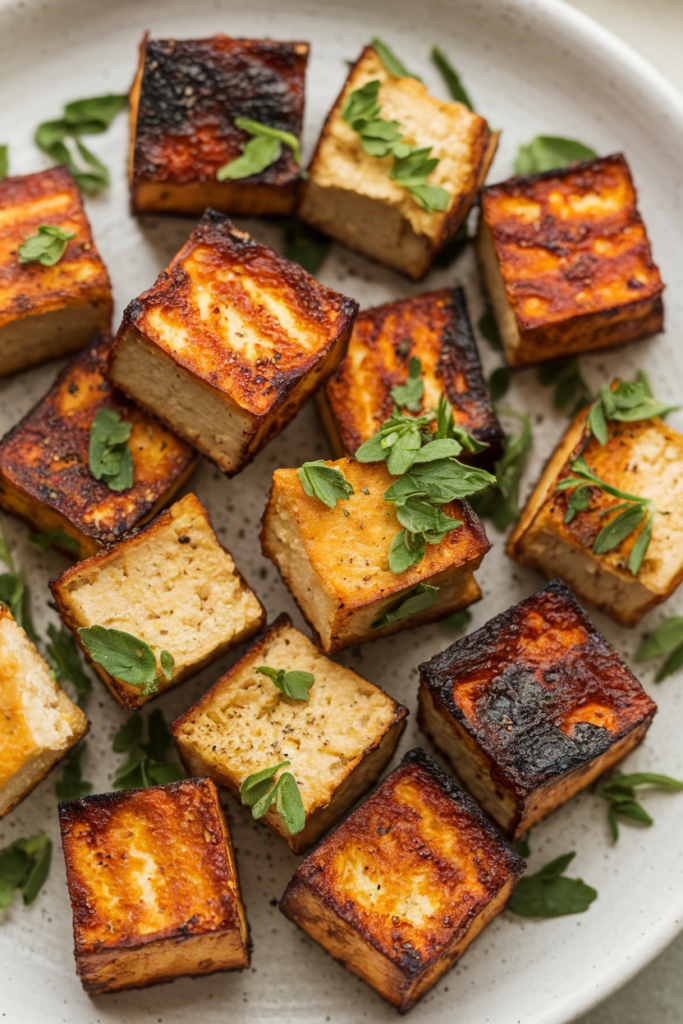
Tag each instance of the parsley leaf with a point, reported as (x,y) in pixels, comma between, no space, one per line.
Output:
(47,247)
(4,161)
(109,456)
(521,847)
(666,639)
(629,402)
(305,246)
(146,764)
(391,61)
(293,684)
(620,793)
(548,152)
(548,893)
(14,594)
(421,597)
(65,661)
(71,786)
(24,865)
(327,483)
(82,117)
(409,395)
(258,792)
(500,501)
(262,150)
(565,375)
(125,657)
(451,78)
(458,621)
(55,536)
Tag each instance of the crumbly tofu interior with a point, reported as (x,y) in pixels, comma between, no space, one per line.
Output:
(245,723)
(38,722)
(497,292)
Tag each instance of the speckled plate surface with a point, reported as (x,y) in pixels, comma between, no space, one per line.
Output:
(531,68)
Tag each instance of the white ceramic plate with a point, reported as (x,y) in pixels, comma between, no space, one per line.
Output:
(531,68)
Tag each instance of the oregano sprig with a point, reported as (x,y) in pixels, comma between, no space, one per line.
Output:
(147,763)
(46,247)
(620,792)
(126,657)
(72,785)
(293,684)
(327,483)
(666,639)
(548,152)
(259,791)
(409,395)
(391,62)
(109,456)
(82,117)
(549,893)
(420,598)
(24,865)
(263,149)
(500,501)
(629,402)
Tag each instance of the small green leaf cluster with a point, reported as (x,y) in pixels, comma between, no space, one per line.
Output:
(630,402)
(259,791)
(24,866)
(126,657)
(391,62)
(65,660)
(569,383)
(55,536)
(409,395)
(620,793)
(548,152)
(293,684)
(14,593)
(262,150)
(327,483)
(499,502)
(71,786)
(666,639)
(147,762)
(47,247)
(549,893)
(458,621)
(82,117)
(418,599)
(451,78)
(109,456)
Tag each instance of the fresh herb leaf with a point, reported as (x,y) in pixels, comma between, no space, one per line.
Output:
(293,684)
(24,865)
(5,553)
(109,456)
(58,537)
(489,329)
(521,847)
(499,382)
(500,501)
(666,639)
(438,482)
(167,662)
(406,549)
(4,161)
(618,529)
(419,517)
(71,786)
(305,246)
(578,501)
(409,395)
(64,658)
(447,256)
(327,483)
(262,150)
(458,621)
(548,893)
(629,402)
(258,792)
(146,762)
(14,593)
(82,117)
(126,657)
(391,61)
(451,78)
(159,738)
(620,793)
(129,735)
(421,597)
(411,173)
(39,849)
(548,152)
(47,247)
(566,377)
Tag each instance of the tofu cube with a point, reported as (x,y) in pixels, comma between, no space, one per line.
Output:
(434,328)
(153,885)
(173,585)
(350,196)
(645,459)
(184,101)
(230,342)
(38,722)
(532,708)
(337,742)
(567,263)
(335,561)
(401,889)
(44,474)
(47,312)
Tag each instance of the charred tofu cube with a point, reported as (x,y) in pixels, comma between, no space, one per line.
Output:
(567,262)
(350,196)
(230,342)
(337,741)
(44,463)
(172,585)
(153,886)
(38,722)
(47,311)
(434,328)
(532,707)
(643,459)
(401,889)
(185,99)
(335,561)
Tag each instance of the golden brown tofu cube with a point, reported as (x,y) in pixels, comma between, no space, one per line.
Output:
(401,889)
(46,312)
(567,262)
(153,886)
(44,473)
(532,707)
(337,742)
(644,459)
(183,104)
(38,722)
(434,328)
(173,585)
(335,561)
(350,196)
(230,342)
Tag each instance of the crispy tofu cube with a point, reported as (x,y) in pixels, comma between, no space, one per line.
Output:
(44,473)
(532,707)
(350,196)
(401,889)
(567,263)
(337,742)
(173,585)
(433,327)
(335,560)
(183,104)
(230,342)
(644,459)
(38,722)
(47,312)
(153,885)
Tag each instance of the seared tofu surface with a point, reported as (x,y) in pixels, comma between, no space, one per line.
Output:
(567,262)
(337,742)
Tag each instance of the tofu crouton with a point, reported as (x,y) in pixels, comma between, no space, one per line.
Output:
(401,889)
(172,585)
(153,886)
(350,196)
(38,722)
(337,742)
(47,312)
(230,342)
(532,708)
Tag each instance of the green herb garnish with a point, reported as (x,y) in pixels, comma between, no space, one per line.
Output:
(620,793)
(146,764)
(521,847)
(14,593)
(4,161)
(549,893)
(327,483)
(47,247)
(566,377)
(109,457)
(630,402)
(262,150)
(666,639)
(499,382)
(293,684)
(82,117)
(72,786)
(548,152)
(391,62)
(451,78)
(305,246)
(258,791)
(489,328)
(409,395)
(456,622)
(24,865)
(58,537)
(126,657)
(421,597)
(65,660)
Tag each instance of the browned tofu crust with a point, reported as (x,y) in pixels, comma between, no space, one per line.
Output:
(184,102)
(408,875)
(44,473)
(435,328)
(575,258)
